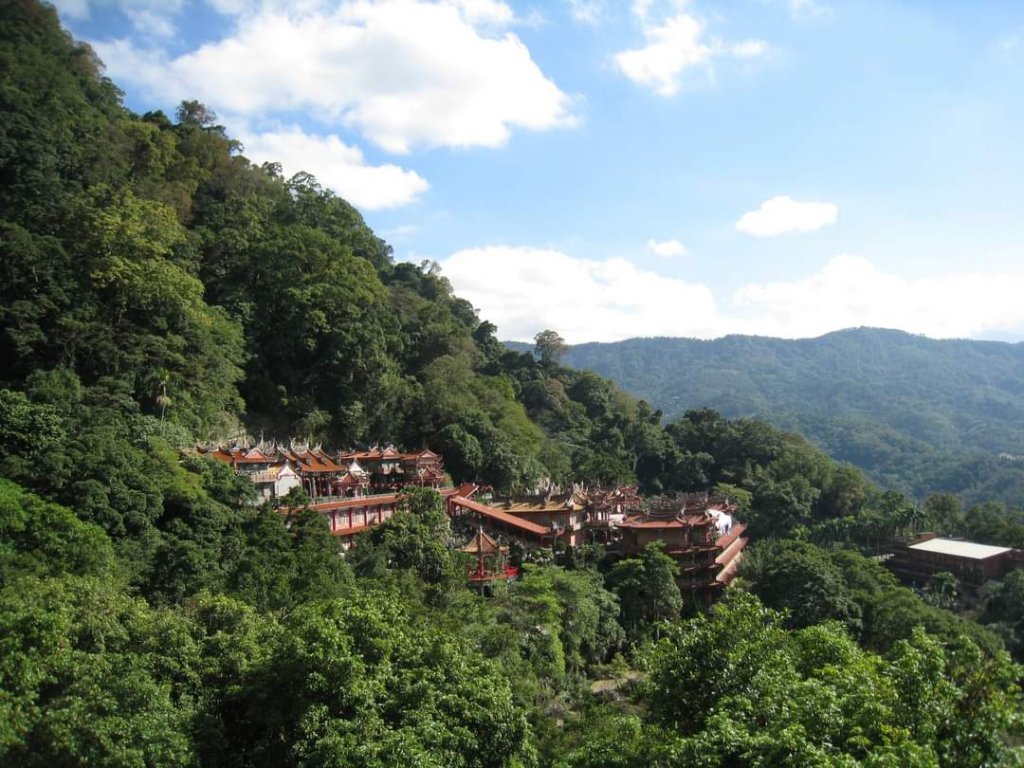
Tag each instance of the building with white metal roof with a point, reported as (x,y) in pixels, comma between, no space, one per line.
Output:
(971,563)
(956,548)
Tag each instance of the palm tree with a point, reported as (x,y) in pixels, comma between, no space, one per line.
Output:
(161,377)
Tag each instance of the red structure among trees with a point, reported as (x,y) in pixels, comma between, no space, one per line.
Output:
(491,560)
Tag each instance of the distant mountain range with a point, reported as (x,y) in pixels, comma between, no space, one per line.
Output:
(917,414)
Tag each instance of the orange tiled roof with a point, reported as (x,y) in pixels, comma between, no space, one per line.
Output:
(348,480)
(501,517)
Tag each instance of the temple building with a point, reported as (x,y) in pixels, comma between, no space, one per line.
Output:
(349,517)
(355,482)
(275,482)
(607,509)
(390,471)
(565,515)
(698,532)
(349,474)
(320,473)
(535,520)
(530,534)
(245,461)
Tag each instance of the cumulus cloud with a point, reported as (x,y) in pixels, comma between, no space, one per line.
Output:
(666,248)
(337,166)
(403,73)
(851,291)
(674,46)
(783,214)
(525,290)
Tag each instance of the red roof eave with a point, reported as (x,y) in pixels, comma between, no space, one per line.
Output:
(499,516)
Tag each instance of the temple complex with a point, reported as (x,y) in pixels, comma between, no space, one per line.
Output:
(355,490)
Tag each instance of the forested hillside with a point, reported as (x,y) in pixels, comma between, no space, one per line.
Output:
(917,414)
(157,288)
(150,271)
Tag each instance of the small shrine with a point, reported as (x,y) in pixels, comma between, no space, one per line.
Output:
(491,560)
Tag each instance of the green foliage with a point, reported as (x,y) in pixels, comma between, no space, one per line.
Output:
(86,675)
(574,608)
(43,538)
(942,590)
(802,579)
(550,347)
(359,683)
(1002,611)
(647,589)
(283,563)
(415,538)
(737,689)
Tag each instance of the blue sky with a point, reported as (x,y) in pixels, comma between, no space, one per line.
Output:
(778,167)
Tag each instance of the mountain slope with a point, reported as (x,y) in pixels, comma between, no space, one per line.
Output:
(917,413)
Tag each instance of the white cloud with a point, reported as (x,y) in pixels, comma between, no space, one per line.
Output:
(850,291)
(337,166)
(72,9)
(156,23)
(151,18)
(1008,43)
(486,12)
(403,73)
(474,11)
(806,9)
(641,8)
(677,44)
(748,49)
(783,214)
(666,248)
(524,290)
(587,11)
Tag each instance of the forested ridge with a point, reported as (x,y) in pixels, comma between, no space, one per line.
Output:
(158,289)
(919,415)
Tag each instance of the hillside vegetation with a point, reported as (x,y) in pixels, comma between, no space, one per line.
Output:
(917,414)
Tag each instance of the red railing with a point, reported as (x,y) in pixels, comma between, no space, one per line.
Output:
(493,574)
